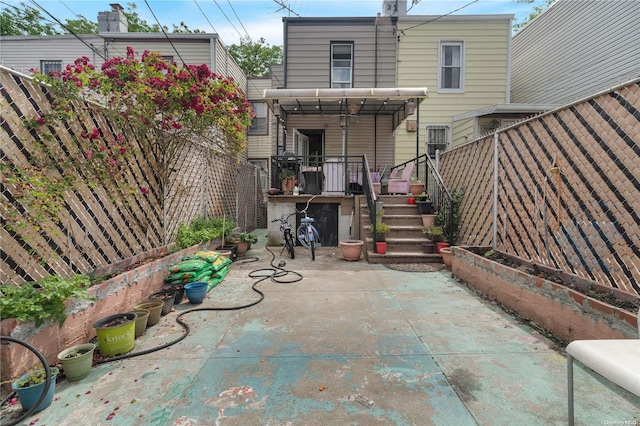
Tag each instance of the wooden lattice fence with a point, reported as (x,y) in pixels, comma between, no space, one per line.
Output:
(105,221)
(568,188)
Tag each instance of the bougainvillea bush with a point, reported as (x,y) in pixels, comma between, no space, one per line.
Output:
(146,106)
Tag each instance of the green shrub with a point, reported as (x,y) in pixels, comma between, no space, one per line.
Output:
(41,300)
(201,230)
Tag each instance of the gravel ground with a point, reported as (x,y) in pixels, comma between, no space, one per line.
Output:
(415,267)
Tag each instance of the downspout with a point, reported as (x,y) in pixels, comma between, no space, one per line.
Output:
(418,140)
(285,49)
(508,82)
(375,84)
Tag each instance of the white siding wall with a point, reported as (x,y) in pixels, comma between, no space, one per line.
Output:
(260,147)
(486,55)
(575,49)
(25,53)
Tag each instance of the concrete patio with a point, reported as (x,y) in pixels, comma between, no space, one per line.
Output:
(351,343)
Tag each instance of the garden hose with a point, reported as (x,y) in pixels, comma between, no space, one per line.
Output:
(275,273)
(47,381)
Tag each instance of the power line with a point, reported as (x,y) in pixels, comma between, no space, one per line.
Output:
(441,16)
(225,15)
(169,40)
(63,3)
(237,17)
(90,46)
(205,16)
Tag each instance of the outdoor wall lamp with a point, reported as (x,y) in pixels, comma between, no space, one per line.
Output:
(411,107)
(276,109)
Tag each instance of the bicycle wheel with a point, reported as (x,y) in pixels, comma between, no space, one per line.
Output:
(288,242)
(301,233)
(313,250)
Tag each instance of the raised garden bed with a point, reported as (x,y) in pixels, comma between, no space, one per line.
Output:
(567,306)
(120,286)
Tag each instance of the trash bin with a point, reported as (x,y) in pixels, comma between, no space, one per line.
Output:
(312,179)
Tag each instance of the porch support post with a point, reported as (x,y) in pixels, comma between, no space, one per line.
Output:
(418,139)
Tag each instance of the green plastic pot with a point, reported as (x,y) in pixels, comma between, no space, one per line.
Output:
(142,317)
(155,310)
(79,366)
(117,339)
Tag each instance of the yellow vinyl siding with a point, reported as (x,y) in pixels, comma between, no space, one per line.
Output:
(260,146)
(485,76)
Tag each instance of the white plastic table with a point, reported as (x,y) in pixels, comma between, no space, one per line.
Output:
(616,360)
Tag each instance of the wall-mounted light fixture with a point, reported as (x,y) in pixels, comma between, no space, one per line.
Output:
(276,109)
(411,107)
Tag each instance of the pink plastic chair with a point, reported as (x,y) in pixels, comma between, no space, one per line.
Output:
(402,184)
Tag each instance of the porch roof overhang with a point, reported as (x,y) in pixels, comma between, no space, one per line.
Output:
(505,109)
(353,101)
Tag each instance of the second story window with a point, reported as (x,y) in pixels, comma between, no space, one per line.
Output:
(50,66)
(451,67)
(341,65)
(259,123)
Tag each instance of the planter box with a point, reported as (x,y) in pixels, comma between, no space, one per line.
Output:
(566,313)
(114,295)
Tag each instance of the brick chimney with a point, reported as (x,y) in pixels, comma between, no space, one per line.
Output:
(113,21)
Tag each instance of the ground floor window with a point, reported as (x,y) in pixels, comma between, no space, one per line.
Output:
(438,138)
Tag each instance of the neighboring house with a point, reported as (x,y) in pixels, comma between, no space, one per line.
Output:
(574,49)
(52,53)
(464,61)
(259,144)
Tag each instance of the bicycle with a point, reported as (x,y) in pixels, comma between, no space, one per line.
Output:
(287,238)
(307,233)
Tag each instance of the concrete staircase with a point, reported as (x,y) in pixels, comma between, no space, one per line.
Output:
(405,237)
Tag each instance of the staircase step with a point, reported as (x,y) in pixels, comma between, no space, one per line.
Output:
(410,257)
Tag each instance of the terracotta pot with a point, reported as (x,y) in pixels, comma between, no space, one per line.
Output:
(446,256)
(417,188)
(440,245)
(351,249)
(428,220)
(381,247)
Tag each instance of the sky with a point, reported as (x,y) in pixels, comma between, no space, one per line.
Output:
(232,19)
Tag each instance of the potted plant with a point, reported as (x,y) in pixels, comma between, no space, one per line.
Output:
(417,186)
(29,388)
(249,238)
(424,203)
(116,333)
(77,361)
(381,241)
(288,181)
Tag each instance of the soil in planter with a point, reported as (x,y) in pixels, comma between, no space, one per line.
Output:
(599,294)
(100,278)
(115,322)
(77,353)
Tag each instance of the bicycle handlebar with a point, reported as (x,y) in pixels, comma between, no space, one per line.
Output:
(306,207)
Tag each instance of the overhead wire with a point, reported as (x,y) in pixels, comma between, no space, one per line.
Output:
(89,45)
(229,20)
(169,40)
(238,18)
(205,16)
(441,16)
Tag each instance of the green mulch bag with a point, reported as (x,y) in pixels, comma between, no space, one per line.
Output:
(207,256)
(204,276)
(179,277)
(221,262)
(214,281)
(190,265)
(217,277)
(222,272)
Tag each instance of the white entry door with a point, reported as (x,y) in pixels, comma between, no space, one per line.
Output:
(300,143)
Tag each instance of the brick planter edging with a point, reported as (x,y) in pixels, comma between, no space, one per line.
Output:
(115,295)
(566,313)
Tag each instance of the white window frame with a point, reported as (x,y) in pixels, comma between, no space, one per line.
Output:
(441,146)
(342,83)
(441,66)
(262,167)
(263,129)
(51,63)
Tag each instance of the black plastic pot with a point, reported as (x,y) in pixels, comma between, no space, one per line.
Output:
(167,298)
(178,289)
(425,207)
